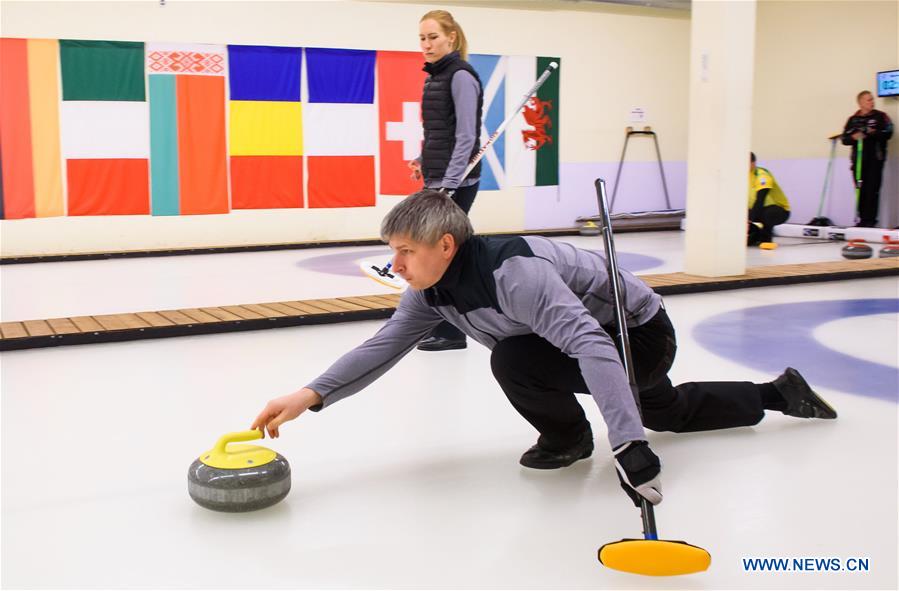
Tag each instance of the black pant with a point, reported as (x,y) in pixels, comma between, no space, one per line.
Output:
(540,382)
(869,196)
(464,198)
(769,217)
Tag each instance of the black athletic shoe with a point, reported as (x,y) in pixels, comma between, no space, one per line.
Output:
(442,344)
(801,400)
(544,459)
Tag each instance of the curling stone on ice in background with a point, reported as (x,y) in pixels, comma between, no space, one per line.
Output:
(768,245)
(857,249)
(238,478)
(890,250)
(589,229)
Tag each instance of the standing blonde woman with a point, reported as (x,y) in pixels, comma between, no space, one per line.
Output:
(451,106)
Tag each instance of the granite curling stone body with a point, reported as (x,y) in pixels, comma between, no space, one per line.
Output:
(857,249)
(238,478)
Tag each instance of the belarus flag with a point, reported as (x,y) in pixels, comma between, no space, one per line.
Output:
(400,83)
(188,146)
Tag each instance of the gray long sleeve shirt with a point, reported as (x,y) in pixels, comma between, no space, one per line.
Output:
(499,287)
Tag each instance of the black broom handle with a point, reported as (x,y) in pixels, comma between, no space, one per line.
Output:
(624,344)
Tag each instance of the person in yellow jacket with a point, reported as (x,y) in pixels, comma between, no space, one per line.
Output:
(768,205)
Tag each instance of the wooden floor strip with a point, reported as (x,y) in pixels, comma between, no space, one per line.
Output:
(120,321)
(63,326)
(199,315)
(384,300)
(87,324)
(330,307)
(221,314)
(242,312)
(305,307)
(178,317)
(155,319)
(345,305)
(264,311)
(112,327)
(366,303)
(283,308)
(13,330)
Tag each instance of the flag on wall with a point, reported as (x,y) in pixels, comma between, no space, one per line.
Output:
(137,129)
(492,71)
(104,123)
(400,83)
(266,142)
(532,138)
(188,154)
(340,127)
(30,165)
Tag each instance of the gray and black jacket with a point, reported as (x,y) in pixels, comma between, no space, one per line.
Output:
(500,287)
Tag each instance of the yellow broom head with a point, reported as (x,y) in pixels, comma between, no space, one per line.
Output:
(657,558)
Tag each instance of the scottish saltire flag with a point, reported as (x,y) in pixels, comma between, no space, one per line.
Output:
(266,141)
(340,128)
(104,125)
(30,164)
(188,155)
(492,71)
(532,137)
(400,133)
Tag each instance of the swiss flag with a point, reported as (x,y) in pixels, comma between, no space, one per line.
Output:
(400,82)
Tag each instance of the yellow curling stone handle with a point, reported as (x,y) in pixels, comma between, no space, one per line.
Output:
(238,456)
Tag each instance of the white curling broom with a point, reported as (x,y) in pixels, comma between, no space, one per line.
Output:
(384,274)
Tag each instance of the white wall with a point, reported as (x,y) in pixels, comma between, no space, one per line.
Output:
(812,59)
(612,60)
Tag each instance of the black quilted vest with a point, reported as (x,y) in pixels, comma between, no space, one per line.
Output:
(438,116)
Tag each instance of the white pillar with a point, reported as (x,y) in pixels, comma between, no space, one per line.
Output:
(722,56)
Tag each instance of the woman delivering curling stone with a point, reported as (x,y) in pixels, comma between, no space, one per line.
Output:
(543,309)
(451,115)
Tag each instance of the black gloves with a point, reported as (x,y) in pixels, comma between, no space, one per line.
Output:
(638,470)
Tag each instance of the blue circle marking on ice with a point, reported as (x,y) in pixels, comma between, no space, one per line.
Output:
(344,263)
(769,338)
(347,263)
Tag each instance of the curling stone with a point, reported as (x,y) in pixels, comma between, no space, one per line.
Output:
(857,249)
(768,245)
(890,250)
(238,478)
(589,229)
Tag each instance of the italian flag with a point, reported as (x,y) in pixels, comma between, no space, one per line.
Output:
(532,137)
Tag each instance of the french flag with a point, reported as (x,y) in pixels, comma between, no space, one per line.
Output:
(340,125)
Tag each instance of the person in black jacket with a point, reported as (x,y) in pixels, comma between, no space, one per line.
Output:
(874,128)
(451,106)
(544,310)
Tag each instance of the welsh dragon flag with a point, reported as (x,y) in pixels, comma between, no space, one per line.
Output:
(532,138)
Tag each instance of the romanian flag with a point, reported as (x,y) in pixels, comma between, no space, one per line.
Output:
(30,165)
(105,129)
(340,127)
(266,143)
(188,154)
